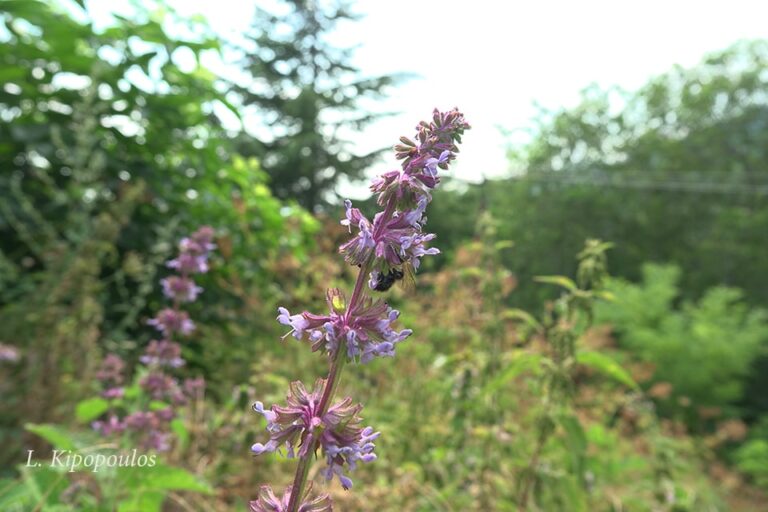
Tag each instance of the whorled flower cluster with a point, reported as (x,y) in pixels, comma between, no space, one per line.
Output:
(300,425)
(387,249)
(268,502)
(366,329)
(152,426)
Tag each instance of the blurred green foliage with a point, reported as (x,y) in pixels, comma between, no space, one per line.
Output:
(127,489)
(690,344)
(109,152)
(676,172)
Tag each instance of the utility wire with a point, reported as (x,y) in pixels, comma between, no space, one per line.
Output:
(641,181)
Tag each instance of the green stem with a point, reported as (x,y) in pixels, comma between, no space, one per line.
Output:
(331,383)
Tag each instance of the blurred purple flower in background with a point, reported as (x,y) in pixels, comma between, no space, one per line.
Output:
(153,425)
(9,353)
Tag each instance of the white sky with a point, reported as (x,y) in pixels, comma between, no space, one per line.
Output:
(494,58)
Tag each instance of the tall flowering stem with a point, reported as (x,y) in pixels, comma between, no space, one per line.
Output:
(160,356)
(386,249)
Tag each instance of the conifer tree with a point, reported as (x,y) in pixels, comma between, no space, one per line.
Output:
(306,94)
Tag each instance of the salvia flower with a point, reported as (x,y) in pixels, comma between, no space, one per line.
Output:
(194,387)
(111,370)
(141,420)
(162,353)
(268,502)
(113,393)
(110,426)
(189,263)
(179,288)
(157,440)
(193,252)
(9,353)
(170,321)
(301,424)
(366,329)
(203,237)
(349,454)
(158,385)
(389,241)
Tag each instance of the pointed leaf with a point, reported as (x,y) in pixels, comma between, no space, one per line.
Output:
(563,281)
(608,367)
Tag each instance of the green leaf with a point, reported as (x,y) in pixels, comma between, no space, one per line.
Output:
(163,478)
(14,496)
(157,405)
(43,485)
(182,434)
(521,363)
(520,315)
(572,493)
(557,280)
(132,391)
(608,367)
(56,436)
(143,501)
(576,441)
(605,295)
(90,409)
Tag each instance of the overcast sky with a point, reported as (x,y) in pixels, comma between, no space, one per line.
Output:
(494,58)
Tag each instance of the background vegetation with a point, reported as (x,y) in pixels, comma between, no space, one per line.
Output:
(630,377)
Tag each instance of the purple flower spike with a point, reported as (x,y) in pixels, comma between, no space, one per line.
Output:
(194,387)
(204,238)
(387,248)
(390,242)
(150,428)
(158,441)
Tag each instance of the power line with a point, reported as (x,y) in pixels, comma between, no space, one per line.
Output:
(619,179)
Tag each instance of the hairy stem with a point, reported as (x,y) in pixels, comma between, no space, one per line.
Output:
(334,374)
(530,477)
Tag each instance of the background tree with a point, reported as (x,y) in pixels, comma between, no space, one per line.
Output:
(108,151)
(307,94)
(676,172)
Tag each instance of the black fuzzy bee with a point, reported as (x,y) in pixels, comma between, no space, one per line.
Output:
(385,281)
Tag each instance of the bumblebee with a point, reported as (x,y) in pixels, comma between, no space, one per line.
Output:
(385,281)
(406,277)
